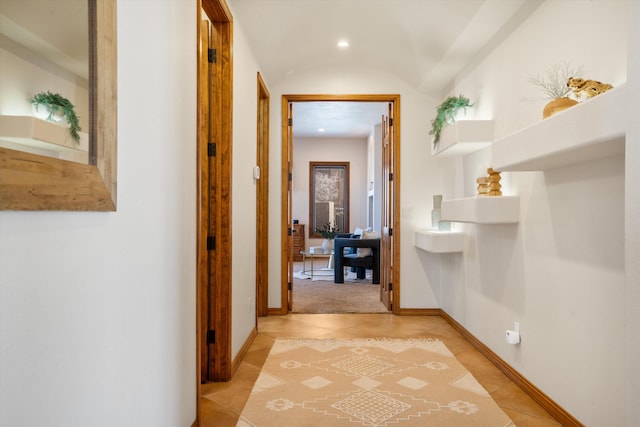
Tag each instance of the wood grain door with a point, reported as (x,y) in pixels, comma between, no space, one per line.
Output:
(386,243)
(214,192)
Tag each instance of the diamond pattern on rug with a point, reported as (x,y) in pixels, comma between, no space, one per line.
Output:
(412,383)
(371,406)
(362,366)
(367,382)
(316,382)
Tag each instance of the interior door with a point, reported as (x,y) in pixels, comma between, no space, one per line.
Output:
(207,354)
(290,207)
(214,248)
(386,241)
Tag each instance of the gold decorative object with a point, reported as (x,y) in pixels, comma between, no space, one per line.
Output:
(557,105)
(483,186)
(585,89)
(494,182)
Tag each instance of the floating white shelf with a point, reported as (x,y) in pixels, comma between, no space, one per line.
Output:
(591,130)
(439,241)
(33,132)
(482,210)
(462,137)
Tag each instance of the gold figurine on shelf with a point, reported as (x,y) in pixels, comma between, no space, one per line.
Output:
(483,186)
(489,185)
(494,182)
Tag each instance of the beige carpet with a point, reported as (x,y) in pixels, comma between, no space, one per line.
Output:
(367,382)
(321,295)
(328,297)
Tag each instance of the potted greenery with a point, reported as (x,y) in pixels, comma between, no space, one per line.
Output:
(329,232)
(555,88)
(56,107)
(446,114)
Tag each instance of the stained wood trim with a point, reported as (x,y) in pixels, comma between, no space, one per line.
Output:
(33,182)
(223,289)
(277,312)
(284,206)
(395,127)
(419,312)
(559,413)
(262,201)
(395,99)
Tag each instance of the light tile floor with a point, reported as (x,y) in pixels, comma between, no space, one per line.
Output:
(222,403)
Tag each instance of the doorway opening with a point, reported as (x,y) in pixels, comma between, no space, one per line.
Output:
(387,179)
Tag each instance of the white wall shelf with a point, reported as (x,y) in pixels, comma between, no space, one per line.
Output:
(439,241)
(33,132)
(482,210)
(463,137)
(591,130)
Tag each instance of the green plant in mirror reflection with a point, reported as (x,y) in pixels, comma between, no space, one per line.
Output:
(53,102)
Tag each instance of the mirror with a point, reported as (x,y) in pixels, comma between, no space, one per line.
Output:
(33,181)
(328,197)
(45,53)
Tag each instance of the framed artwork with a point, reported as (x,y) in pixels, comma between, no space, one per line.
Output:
(328,197)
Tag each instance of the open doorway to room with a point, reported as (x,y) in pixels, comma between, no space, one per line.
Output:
(370,156)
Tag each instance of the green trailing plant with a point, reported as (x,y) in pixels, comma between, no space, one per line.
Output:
(554,82)
(52,101)
(446,113)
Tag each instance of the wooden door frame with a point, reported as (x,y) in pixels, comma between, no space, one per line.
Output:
(214,112)
(286,99)
(262,201)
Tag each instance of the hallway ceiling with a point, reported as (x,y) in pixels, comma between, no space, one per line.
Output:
(426,43)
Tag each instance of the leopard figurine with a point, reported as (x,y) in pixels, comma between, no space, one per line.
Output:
(587,88)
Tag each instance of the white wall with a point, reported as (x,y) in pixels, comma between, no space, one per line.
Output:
(632,224)
(97,310)
(245,106)
(352,150)
(560,272)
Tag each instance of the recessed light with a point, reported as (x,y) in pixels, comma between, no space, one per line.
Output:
(321,130)
(343,44)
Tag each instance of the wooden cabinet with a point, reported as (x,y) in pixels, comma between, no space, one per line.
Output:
(298,241)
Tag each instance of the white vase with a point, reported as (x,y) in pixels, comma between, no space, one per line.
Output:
(43,112)
(327,245)
(436,222)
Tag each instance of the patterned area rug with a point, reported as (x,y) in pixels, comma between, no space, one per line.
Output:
(367,382)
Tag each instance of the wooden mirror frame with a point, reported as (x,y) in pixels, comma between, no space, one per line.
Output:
(32,182)
(343,168)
